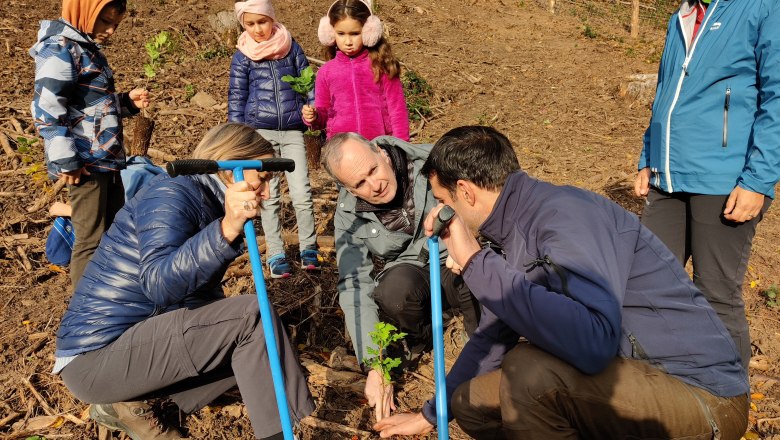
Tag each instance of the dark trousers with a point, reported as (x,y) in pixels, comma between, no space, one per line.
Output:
(535,395)
(404,295)
(692,226)
(193,356)
(95,202)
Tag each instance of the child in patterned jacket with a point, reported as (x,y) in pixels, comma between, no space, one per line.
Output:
(78,113)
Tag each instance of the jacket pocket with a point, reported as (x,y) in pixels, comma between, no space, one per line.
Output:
(726,105)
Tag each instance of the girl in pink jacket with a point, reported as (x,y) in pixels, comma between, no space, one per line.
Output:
(359,89)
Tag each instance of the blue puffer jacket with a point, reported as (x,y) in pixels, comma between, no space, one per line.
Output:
(258,97)
(715,116)
(75,108)
(164,251)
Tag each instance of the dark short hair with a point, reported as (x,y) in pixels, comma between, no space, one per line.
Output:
(119,5)
(475,153)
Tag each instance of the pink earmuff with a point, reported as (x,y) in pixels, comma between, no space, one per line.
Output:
(372,29)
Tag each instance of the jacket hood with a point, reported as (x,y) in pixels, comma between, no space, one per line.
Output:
(57,28)
(414,152)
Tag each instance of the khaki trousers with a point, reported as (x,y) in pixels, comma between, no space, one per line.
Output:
(538,396)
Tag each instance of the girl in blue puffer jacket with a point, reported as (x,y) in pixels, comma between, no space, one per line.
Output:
(257,96)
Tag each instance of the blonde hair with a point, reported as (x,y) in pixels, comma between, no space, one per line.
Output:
(232,141)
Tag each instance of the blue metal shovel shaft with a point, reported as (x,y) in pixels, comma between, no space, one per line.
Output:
(442,421)
(438,340)
(265,315)
(200,166)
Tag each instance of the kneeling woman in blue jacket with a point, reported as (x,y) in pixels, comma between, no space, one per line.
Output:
(149,317)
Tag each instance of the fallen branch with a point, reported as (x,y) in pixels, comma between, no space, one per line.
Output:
(25,260)
(423,378)
(7,419)
(48,409)
(17,125)
(46,198)
(344,380)
(331,426)
(315,61)
(9,151)
(157,154)
(15,172)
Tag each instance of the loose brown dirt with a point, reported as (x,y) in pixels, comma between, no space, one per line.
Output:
(550,82)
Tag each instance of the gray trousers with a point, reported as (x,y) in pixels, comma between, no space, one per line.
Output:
(692,226)
(95,202)
(289,145)
(535,395)
(193,356)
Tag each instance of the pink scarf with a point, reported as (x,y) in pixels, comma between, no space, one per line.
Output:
(274,48)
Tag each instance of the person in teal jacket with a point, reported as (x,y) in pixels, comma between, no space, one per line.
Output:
(711,155)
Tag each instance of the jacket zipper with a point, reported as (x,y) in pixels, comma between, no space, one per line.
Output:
(683,74)
(358,119)
(726,105)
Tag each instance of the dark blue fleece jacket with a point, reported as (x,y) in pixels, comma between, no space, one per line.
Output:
(582,279)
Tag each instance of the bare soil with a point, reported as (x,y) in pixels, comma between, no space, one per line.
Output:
(550,82)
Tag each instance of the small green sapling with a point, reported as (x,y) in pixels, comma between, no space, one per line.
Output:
(383,335)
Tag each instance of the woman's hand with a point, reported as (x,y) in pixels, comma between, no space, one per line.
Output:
(139,98)
(309,114)
(743,205)
(242,201)
(642,182)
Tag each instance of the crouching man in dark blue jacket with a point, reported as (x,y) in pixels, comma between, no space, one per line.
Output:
(618,342)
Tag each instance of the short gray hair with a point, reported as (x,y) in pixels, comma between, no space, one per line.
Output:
(334,151)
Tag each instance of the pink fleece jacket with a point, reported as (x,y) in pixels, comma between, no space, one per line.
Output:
(348,99)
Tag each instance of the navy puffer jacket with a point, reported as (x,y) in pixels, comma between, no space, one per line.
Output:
(258,97)
(164,251)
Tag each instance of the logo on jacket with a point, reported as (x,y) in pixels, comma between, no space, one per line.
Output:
(715,26)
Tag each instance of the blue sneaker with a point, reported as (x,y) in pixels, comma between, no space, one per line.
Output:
(279,266)
(311,259)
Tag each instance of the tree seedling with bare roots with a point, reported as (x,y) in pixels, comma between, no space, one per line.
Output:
(383,335)
(312,138)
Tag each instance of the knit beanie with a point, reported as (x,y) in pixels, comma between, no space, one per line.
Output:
(262,7)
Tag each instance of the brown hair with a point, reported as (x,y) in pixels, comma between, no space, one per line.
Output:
(382,58)
(232,141)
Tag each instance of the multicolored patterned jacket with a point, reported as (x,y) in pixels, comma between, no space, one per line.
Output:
(75,108)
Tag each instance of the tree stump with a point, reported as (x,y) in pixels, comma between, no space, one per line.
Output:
(226,26)
(142,135)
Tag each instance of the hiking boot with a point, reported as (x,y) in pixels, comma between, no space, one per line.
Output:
(279,266)
(311,259)
(136,419)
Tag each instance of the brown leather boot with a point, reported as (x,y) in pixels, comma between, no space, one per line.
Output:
(136,419)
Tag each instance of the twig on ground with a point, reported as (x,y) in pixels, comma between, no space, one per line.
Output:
(25,260)
(423,378)
(46,198)
(48,409)
(331,426)
(9,418)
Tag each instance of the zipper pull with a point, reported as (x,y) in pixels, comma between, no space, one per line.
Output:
(728,98)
